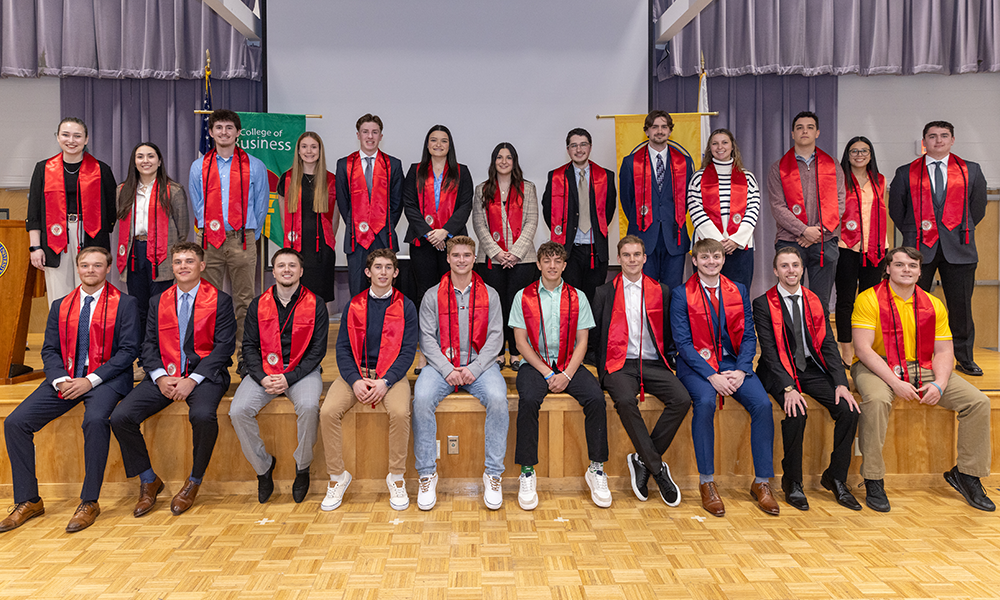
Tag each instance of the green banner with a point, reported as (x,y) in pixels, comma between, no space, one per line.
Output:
(271,138)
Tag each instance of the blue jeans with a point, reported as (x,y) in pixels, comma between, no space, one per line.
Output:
(431,388)
(753,398)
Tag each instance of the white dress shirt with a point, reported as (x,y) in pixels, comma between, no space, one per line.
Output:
(931,168)
(94,379)
(635,315)
(141,209)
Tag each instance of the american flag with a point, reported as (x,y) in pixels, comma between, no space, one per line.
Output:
(206,139)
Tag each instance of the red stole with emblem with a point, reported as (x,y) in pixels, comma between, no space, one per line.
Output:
(168,329)
(393,327)
(560,203)
(303,319)
(643,177)
(88,199)
(293,220)
(737,198)
(369,212)
(826,188)
(707,341)
(436,218)
(102,327)
(925,322)
(239,194)
(156,228)
(815,321)
(479,318)
(569,314)
(515,216)
(852,223)
(923,203)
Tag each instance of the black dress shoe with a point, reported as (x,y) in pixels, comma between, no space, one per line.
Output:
(265,483)
(639,475)
(969,368)
(875,496)
(971,488)
(794,494)
(300,487)
(841,493)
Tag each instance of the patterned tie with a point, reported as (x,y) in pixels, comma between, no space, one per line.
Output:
(584,192)
(83,339)
(183,316)
(800,348)
(368,173)
(939,192)
(661,172)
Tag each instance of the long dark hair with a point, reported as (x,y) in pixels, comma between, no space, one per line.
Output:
(126,196)
(516,176)
(451,176)
(845,162)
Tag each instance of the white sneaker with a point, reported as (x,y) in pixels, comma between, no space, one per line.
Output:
(427,492)
(599,492)
(527,498)
(335,493)
(398,498)
(492,492)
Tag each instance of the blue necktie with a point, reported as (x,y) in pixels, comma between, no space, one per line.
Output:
(183,316)
(661,171)
(83,339)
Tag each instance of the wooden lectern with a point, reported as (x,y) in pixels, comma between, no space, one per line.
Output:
(17,288)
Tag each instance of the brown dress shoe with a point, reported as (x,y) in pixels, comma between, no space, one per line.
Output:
(184,498)
(711,501)
(761,492)
(147,496)
(21,513)
(84,517)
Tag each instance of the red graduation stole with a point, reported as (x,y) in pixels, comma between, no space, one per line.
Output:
(737,198)
(392,332)
(436,218)
(239,168)
(479,318)
(925,321)
(293,220)
(618,335)
(168,330)
(815,322)
(515,216)
(851,223)
(643,177)
(923,203)
(303,324)
(370,212)
(88,199)
(156,227)
(826,188)
(569,313)
(102,327)
(707,341)
(560,205)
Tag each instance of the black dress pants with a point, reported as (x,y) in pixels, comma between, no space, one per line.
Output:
(142,286)
(852,279)
(145,401)
(428,265)
(41,408)
(507,282)
(532,389)
(818,384)
(659,382)
(583,275)
(958,282)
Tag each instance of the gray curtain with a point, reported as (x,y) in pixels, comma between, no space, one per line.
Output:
(759,110)
(159,39)
(836,37)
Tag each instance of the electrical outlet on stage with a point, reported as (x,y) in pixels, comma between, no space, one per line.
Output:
(452,444)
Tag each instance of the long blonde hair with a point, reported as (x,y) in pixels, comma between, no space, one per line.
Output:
(737,159)
(321,197)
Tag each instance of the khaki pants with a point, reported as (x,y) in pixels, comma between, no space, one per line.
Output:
(960,396)
(340,399)
(241,265)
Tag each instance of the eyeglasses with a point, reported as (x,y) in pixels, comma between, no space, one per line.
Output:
(581,146)
(860,152)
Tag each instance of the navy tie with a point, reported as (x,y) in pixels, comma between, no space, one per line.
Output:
(939,191)
(83,339)
(661,172)
(183,316)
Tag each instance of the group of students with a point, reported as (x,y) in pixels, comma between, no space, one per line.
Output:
(647,322)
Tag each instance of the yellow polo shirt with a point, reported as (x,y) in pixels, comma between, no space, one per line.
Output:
(866,316)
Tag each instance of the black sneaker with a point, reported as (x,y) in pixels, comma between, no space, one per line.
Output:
(265,483)
(669,491)
(971,488)
(300,487)
(875,496)
(640,476)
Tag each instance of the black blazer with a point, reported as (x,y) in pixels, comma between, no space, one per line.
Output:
(395,204)
(456,225)
(772,374)
(573,210)
(952,243)
(604,302)
(117,372)
(215,366)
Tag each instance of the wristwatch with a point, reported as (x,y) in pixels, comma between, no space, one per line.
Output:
(789,388)
(33,248)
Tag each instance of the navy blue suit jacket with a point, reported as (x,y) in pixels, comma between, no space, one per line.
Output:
(663,204)
(344,204)
(117,372)
(689,360)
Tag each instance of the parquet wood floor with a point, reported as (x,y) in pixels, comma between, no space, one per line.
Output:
(932,545)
